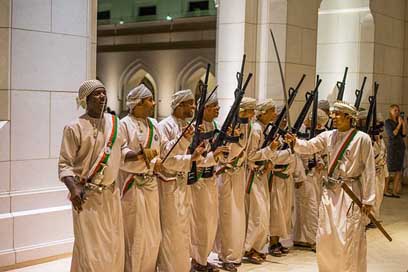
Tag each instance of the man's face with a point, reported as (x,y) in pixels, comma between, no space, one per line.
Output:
(341,120)
(212,111)
(188,108)
(249,113)
(148,104)
(270,115)
(97,100)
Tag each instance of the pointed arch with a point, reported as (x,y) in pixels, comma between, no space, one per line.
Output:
(190,70)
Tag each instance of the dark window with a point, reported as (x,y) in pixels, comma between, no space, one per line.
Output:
(199,5)
(146,11)
(104,15)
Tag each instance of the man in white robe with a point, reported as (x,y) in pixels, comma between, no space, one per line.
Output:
(204,195)
(174,193)
(341,240)
(91,152)
(257,190)
(231,194)
(138,184)
(308,193)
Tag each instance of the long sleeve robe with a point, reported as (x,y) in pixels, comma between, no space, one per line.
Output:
(341,239)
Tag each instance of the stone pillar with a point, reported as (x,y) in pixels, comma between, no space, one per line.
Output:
(389,47)
(47,48)
(243,26)
(345,38)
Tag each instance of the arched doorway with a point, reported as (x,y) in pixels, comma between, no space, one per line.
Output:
(135,74)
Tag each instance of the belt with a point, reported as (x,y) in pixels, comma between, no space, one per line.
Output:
(330,182)
(280,175)
(89,186)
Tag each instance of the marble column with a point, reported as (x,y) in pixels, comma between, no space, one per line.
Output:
(47,48)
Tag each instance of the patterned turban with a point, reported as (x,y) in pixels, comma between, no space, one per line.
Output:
(180,97)
(210,99)
(324,105)
(261,108)
(345,107)
(87,87)
(322,117)
(136,95)
(362,114)
(247,103)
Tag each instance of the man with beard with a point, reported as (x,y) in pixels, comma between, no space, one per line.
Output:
(231,194)
(204,196)
(174,193)
(257,197)
(90,156)
(341,239)
(137,180)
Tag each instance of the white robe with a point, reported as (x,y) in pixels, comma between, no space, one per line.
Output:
(307,200)
(341,239)
(282,195)
(257,204)
(140,199)
(98,228)
(204,208)
(380,154)
(175,200)
(231,197)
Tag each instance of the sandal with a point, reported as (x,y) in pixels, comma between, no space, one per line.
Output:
(254,258)
(395,195)
(229,267)
(275,250)
(283,249)
(387,194)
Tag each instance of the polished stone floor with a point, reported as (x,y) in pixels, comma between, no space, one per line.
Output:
(382,255)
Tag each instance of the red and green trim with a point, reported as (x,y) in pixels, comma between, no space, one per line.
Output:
(250,182)
(112,138)
(128,184)
(270,176)
(150,135)
(342,150)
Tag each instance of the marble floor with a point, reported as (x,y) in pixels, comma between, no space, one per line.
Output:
(382,255)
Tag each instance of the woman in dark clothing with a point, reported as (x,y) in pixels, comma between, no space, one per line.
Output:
(396,130)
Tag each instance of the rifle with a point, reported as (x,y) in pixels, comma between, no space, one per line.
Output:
(186,128)
(271,130)
(221,137)
(240,78)
(359,94)
(198,137)
(372,115)
(313,124)
(341,85)
(356,200)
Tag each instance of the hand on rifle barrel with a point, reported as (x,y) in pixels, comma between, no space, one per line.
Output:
(189,132)
(198,152)
(274,144)
(220,151)
(158,166)
(290,138)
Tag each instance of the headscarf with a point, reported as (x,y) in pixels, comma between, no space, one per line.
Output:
(324,105)
(136,95)
(86,88)
(210,99)
(261,108)
(247,103)
(362,114)
(181,96)
(322,117)
(345,107)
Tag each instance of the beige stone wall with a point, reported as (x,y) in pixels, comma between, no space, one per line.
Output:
(47,48)
(389,19)
(243,27)
(345,38)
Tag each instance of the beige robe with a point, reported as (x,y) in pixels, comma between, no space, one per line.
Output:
(281,195)
(98,228)
(307,200)
(175,200)
(231,197)
(140,199)
(204,207)
(257,203)
(380,154)
(341,239)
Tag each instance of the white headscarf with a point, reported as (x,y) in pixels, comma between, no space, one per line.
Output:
(136,95)
(247,103)
(181,96)
(210,99)
(345,107)
(322,117)
(86,88)
(324,105)
(261,108)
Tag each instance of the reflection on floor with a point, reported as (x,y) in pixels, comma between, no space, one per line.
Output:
(382,255)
